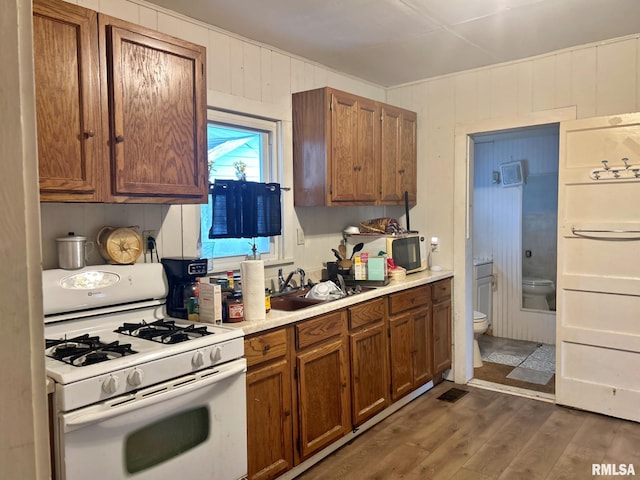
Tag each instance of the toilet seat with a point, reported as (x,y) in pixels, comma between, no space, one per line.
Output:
(478,317)
(537,282)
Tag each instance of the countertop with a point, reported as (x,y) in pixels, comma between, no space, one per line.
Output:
(279,318)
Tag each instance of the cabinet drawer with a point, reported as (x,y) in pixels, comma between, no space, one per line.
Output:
(414,297)
(265,347)
(365,313)
(320,328)
(441,290)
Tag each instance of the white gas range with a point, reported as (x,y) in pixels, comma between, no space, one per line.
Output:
(137,394)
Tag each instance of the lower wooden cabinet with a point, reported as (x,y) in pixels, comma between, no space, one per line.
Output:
(441,292)
(310,383)
(410,340)
(410,351)
(370,393)
(322,378)
(269,419)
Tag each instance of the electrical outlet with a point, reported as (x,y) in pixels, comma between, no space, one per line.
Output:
(300,236)
(145,239)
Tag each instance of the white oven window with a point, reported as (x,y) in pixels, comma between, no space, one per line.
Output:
(166,439)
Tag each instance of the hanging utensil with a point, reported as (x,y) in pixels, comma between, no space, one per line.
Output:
(356,248)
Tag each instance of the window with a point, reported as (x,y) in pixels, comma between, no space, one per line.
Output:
(239,143)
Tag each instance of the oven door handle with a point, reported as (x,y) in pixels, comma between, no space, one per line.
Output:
(152,395)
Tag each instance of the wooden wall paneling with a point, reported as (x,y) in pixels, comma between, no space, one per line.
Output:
(219,62)
(121,9)
(149,18)
(484,94)
(543,83)
(466,98)
(583,81)
(504,90)
(562,87)
(251,70)
(281,82)
(266,82)
(616,77)
(182,28)
(236,58)
(525,87)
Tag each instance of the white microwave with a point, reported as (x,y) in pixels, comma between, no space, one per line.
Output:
(408,251)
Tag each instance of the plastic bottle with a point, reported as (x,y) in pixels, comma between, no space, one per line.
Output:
(230,279)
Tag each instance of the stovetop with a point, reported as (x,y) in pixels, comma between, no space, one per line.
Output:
(139,350)
(107,334)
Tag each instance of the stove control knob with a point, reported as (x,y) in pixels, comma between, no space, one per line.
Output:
(198,359)
(216,354)
(135,378)
(111,384)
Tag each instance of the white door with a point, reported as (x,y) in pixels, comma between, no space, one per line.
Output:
(598,311)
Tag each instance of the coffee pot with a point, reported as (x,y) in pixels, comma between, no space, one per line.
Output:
(182,274)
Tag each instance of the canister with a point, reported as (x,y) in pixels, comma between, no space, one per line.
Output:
(72,251)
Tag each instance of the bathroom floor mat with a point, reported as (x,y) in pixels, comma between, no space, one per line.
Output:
(543,359)
(530,376)
(453,395)
(505,359)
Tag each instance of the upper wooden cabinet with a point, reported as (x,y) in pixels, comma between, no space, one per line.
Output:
(70,135)
(127,121)
(350,150)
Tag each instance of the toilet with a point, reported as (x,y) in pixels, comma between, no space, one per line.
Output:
(535,292)
(480,325)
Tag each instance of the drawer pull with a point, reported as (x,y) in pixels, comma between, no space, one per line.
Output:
(266,349)
(119,139)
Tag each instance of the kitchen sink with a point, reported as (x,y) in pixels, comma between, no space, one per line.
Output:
(295,300)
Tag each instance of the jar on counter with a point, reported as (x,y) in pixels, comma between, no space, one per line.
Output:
(235,308)
(267,300)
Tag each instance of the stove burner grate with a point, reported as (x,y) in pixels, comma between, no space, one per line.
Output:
(85,350)
(163,331)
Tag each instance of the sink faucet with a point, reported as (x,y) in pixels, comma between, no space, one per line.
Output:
(284,284)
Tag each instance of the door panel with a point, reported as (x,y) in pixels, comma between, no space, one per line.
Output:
(598,346)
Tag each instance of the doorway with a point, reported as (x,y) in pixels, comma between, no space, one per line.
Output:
(463,225)
(515,187)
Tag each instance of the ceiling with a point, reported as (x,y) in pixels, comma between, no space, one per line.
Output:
(391,42)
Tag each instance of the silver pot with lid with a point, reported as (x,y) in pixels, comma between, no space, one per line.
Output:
(73,251)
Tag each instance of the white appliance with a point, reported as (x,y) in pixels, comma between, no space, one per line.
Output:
(408,250)
(138,395)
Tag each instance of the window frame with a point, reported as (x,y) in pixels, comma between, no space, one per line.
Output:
(272,172)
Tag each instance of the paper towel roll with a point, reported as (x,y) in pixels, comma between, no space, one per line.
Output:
(252,272)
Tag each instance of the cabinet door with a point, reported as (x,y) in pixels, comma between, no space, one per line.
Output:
(157,95)
(369,373)
(355,136)
(344,147)
(422,358)
(269,425)
(441,336)
(323,396)
(65,50)
(398,163)
(401,332)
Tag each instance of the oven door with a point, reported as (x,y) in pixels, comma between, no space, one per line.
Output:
(193,427)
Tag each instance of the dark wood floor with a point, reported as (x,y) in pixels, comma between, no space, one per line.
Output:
(484,435)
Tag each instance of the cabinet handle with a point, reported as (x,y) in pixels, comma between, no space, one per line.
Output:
(119,139)
(89,134)
(266,349)
(401,171)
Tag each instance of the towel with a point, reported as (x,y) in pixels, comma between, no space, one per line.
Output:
(242,209)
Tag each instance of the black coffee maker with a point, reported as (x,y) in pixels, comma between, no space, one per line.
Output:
(181,274)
